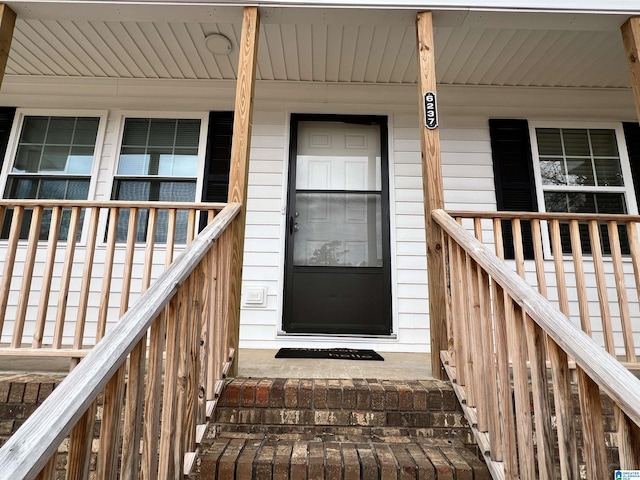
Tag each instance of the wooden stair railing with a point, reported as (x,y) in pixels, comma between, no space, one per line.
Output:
(587,265)
(508,347)
(70,268)
(170,348)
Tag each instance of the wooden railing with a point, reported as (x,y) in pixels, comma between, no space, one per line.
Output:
(169,349)
(509,347)
(587,265)
(71,268)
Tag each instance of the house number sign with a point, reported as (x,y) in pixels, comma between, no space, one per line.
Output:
(430,111)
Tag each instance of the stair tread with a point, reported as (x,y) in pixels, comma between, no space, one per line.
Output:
(271,456)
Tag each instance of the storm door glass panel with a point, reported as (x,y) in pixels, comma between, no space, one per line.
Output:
(338,196)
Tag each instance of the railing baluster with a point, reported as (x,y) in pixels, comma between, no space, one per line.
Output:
(47,276)
(558,262)
(169,465)
(80,445)
(621,289)
(9,262)
(27,276)
(601,285)
(460,300)
(85,287)
(132,428)
(536,343)
(132,231)
(49,470)
(212,318)
(505,400)
(153,395)
(107,274)
(182,426)
(628,443)
(475,344)
(578,265)
(490,365)
(595,455)
(63,294)
(517,352)
(634,246)
(466,331)
(171,236)
(561,378)
(516,230)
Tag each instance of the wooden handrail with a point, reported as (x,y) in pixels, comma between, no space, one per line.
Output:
(502,330)
(44,203)
(27,452)
(581,217)
(618,383)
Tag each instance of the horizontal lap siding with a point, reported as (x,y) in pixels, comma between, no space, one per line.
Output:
(263,256)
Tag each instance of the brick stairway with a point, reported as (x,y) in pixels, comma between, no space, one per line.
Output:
(339,429)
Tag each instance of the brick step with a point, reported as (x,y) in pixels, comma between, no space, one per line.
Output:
(301,405)
(264,456)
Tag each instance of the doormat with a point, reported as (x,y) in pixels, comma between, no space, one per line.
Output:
(335,353)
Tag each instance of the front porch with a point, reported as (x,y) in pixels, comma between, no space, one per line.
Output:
(142,299)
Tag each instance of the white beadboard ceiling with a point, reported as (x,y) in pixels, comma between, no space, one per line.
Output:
(324,52)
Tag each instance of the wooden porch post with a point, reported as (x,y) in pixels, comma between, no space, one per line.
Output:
(432,188)
(631,38)
(239,173)
(628,432)
(7,22)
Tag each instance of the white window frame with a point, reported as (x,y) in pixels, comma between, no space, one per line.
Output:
(121,116)
(14,139)
(202,143)
(627,188)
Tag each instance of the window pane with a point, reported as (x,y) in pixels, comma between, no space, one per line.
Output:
(603,143)
(552,172)
(579,172)
(576,142)
(608,171)
(549,142)
(27,159)
(60,130)
(188,133)
(610,203)
(54,159)
(21,188)
(80,160)
(34,129)
(86,131)
(136,131)
(163,132)
(133,161)
(78,190)
(177,192)
(52,189)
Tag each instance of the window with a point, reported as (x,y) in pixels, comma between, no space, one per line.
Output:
(580,171)
(53,160)
(564,168)
(158,161)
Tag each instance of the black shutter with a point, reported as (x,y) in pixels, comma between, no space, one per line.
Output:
(6,121)
(513,175)
(632,137)
(218,157)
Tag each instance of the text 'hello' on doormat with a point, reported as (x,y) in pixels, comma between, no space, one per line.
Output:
(331,353)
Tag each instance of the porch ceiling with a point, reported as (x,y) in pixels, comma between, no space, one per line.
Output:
(470,50)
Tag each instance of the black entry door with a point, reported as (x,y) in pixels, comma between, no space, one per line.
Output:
(337,260)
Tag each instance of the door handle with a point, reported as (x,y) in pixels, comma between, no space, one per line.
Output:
(293,226)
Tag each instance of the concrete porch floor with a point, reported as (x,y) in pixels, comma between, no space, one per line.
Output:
(263,364)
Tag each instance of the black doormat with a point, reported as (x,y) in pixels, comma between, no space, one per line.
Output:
(336,353)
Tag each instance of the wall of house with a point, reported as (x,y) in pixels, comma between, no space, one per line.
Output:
(466,159)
